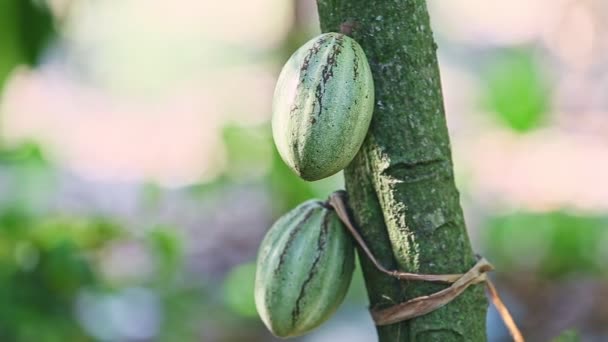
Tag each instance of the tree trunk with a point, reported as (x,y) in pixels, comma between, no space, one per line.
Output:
(401,184)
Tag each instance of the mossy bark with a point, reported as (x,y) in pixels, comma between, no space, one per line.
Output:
(401,184)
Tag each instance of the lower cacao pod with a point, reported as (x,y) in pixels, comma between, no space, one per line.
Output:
(304,268)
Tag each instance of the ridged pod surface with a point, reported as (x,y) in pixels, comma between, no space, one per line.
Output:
(304,268)
(322,106)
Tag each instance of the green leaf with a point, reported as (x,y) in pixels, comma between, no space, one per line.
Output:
(26,28)
(552,244)
(238,290)
(516,91)
(249,151)
(11,53)
(25,152)
(167,249)
(568,336)
(288,190)
(36,28)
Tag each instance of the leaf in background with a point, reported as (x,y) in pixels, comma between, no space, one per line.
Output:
(516,90)
(11,53)
(26,152)
(239,288)
(28,180)
(26,28)
(568,336)
(84,233)
(65,269)
(44,261)
(36,28)
(287,189)
(553,244)
(252,154)
(167,249)
(249,152)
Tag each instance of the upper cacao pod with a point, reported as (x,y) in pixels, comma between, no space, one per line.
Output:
(322,107)
(304,268)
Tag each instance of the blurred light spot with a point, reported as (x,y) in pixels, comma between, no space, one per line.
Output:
(244,94)
(132,314)
(93,316)
(573,37)
(543,170)
(175,141)
(495,22)
(61,8)
(139,90)
(461,91)
(137,314)
(147,46)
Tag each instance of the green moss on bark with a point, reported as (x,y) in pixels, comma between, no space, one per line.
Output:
(401,184)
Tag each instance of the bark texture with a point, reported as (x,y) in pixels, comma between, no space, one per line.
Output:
(401,184)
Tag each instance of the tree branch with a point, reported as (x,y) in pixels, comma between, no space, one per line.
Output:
(401,184)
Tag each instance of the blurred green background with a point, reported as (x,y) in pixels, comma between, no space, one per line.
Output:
(138,174)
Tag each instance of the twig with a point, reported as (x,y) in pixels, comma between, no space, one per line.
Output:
(338,201)
(424,304)
(504,312)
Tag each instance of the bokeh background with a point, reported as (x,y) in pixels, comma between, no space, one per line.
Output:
(138,174)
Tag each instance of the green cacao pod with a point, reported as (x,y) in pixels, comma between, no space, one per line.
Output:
(322,106)
(304,268)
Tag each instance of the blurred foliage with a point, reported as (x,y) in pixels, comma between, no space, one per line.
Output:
(239,288)
(26,28)
(553,244)
(286,187)
(516,90)
(248,150)
(29,180)
(53,284)
(167,251)
(44,262)
(25,152)
(50,265)
(60,266)
(35,27)
(568,336)
(252,153)
(11,53)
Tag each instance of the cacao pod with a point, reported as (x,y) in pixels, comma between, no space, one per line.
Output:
(322,106)
(304,268)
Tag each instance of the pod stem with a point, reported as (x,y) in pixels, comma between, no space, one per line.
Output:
(347,27)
